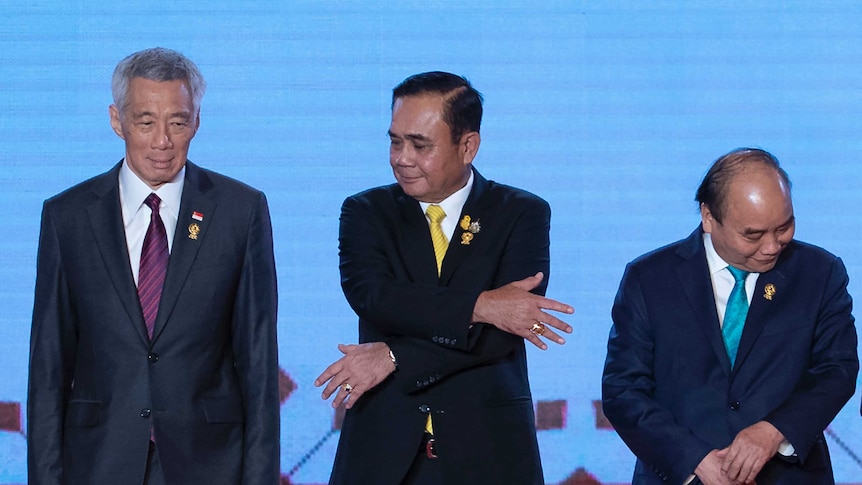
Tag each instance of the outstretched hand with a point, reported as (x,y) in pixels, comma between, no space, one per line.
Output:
(362,367)
(513,309)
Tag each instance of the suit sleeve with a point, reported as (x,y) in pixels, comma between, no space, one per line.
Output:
(256,351)
(628,390)
(409,315)
(53,343)
(830,380)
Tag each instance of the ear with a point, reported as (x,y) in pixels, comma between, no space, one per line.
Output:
(706,219)
(116,124)
(470,146)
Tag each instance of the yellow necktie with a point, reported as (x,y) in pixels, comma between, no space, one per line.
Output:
(435,214)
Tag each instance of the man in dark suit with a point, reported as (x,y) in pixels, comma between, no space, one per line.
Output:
(147,367)
(437,391)
(733,349)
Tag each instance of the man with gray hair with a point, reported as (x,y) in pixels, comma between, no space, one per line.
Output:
(153,355)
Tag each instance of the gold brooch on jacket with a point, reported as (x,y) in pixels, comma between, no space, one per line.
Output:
(470,228)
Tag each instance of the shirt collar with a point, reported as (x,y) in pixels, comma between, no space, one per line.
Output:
(133,191)
(716,263)
(453,204)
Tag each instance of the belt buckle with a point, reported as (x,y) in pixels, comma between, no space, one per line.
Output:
(430,452)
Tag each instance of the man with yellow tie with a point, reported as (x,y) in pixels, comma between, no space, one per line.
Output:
(446,271)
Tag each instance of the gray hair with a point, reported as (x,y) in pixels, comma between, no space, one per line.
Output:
(157,64)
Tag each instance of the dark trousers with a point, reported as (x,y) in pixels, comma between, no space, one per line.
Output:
(154,475)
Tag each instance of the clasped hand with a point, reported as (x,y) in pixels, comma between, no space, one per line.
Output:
(740,462)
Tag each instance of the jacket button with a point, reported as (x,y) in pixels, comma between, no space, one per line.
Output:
(153,358)
(424,409)
(734,406)
(145,413)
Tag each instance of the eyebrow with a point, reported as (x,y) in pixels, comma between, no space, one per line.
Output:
(410,136)
(180,114)
(749,231)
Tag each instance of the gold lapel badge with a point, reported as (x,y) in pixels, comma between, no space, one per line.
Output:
(769,291)
(470,228)
(194,230)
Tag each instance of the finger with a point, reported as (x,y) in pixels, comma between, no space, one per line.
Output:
(352,398)
(335,384)
(535,340)
(529,282)
(557,306)
(731,467)
(340,397)
(753,470)
(555,322)
(329,373)
(345,348)
(552,336)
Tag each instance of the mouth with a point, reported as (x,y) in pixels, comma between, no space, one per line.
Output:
(407,178)
(159,161)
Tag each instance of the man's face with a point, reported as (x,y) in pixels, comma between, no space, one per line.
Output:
(758,220)
(426,164)
(158,123)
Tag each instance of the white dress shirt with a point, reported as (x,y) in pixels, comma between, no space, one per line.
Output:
(136,214)
(452,206)
(722,284)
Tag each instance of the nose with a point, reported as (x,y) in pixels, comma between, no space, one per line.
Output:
(398,156)
(771,245)
(162,137)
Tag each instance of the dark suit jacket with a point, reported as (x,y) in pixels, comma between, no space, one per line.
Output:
(668,388)
(473,380)
(208,381)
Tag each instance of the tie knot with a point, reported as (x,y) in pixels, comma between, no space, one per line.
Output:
(435,213)
(153,202)
(738,274)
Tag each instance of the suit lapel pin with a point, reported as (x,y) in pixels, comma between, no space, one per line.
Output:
(769,291)
(195,229)
(470,228)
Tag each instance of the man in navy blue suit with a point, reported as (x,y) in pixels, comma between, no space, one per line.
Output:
(733,349)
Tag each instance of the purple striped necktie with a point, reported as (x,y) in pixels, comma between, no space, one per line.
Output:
(154,265)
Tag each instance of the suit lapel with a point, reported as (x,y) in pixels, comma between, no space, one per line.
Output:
(189,234)
(693,274)
(106,222)
(475,207)
(764,304)
(415,240)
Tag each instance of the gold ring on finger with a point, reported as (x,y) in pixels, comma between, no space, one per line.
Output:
(538,328)
(348,388)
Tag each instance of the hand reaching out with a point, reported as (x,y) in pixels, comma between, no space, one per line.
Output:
(513,309)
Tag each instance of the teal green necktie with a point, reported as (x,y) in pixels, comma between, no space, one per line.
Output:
(735,313)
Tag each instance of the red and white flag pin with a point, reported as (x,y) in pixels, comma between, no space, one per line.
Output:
(197,216)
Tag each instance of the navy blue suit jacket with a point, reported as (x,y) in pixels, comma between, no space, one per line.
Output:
(473,380)
(207,383)
(668,388)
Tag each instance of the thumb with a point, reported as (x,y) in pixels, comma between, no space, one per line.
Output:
(529,282)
